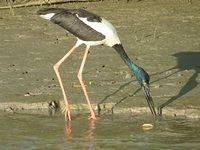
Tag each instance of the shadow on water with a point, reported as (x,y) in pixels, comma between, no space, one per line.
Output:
(185,61)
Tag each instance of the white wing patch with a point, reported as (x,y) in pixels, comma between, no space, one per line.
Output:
(106,28)
(47,16)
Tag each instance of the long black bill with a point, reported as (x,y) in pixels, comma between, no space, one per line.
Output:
(149,98)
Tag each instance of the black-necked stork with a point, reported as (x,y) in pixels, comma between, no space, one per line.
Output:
(91,29)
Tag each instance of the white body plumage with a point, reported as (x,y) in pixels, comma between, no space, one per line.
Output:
(104,27)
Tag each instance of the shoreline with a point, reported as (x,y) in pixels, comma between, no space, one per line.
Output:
(53,107)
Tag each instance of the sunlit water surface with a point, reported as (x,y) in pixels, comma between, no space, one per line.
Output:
(108,132)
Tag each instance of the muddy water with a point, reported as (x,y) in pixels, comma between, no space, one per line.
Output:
(161,36)
(109,132)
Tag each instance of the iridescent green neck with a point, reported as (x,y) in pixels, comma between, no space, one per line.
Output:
(132,66)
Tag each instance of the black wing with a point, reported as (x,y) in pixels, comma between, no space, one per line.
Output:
(86,14)
(67,18)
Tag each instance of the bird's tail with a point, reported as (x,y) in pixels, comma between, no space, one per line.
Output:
(45,11)
(48,13)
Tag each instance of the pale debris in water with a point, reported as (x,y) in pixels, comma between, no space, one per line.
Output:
(147,126)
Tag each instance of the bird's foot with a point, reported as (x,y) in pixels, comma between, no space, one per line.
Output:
(67,113)
(92,116)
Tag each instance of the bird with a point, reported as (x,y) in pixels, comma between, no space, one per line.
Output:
(92,30)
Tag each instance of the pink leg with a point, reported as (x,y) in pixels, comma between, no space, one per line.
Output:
(56,67)
(82,84)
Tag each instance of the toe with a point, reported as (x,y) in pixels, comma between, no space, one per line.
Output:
(92,117)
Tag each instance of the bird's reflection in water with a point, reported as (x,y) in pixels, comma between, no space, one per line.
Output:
(68,130)
(86,137)
(89,133)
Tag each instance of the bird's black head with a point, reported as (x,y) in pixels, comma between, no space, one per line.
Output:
(143,78)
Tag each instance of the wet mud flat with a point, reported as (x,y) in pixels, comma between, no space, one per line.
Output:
(162,36)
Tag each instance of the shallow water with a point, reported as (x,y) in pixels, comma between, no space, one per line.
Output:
(109,132)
